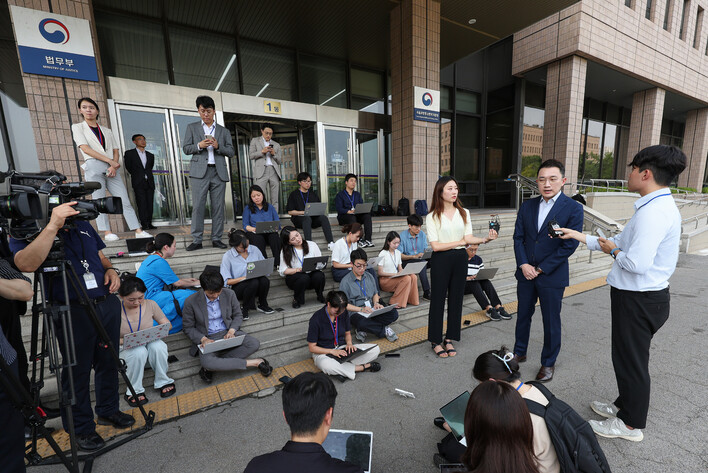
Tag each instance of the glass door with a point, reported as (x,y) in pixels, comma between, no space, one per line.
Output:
(367,164)
(180,120)
(338,162)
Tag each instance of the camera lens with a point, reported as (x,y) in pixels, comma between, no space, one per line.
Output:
(21,206)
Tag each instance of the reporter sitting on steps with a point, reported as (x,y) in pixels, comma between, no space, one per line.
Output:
(294,251)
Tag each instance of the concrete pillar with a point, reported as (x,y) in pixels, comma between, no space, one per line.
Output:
(563,120)
(645,125)
(695,145)
(415,61)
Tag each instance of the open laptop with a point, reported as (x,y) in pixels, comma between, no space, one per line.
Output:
(412,268)
(454,414)
(351,446)
(428,253)
(363,208)
(380,311)
(268,227)
(486,273)
(351,356)
(373,263)
(223,344)
(310,263)
(136,246)
(316,208)
(256,269)
(143,337)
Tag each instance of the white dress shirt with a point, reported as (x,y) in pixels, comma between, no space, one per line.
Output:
(341,251)
(544,208)
(210,130)
(268,161)
(298,258)
(649,245)
(143,157)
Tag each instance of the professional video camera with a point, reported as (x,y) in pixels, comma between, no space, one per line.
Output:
(28,199)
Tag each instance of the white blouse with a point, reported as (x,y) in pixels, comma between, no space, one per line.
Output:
(341,251)
(446,230)
(298,255)
(389,262)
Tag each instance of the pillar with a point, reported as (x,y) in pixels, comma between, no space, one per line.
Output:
(645,125)
(695,145)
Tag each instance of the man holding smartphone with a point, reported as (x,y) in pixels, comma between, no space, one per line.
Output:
(266,156)
(209,144)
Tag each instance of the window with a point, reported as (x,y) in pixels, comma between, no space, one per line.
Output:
(649,14)
(628,3)
(699,27)
(268,71)
(667,16)
(322,81)
(684,19)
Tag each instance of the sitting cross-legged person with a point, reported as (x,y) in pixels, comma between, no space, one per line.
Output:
(483,290)
(212,314)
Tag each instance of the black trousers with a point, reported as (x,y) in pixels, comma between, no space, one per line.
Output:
(308,223)
(483,291)
(259,240)
(451,449)
(636,317)
(376,325)
(12,434)
(12,328)
(300,282)
(247,290)
(144,197)
(364,219)
(448,270)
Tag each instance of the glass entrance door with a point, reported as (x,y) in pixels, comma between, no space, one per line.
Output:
(180,120)
(367,156)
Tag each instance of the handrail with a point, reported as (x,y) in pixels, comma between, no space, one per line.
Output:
(696,218)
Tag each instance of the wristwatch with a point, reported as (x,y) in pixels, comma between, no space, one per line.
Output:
(614,252)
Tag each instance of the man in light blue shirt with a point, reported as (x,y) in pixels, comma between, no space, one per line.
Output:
(645,256)
(413,245)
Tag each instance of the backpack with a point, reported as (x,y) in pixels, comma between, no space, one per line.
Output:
(404,207)
(421,207)
(384,210)
(574,440)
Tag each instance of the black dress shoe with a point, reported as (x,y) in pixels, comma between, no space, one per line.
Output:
(52,413)
(151,227)
(90,442)
(206,375)
(320,298)
(265,368)
(119,420)
(545,374)
(296,304)
(218,244)
(520,359)
(440,423)
(194,246)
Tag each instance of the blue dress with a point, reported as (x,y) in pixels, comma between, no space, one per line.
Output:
(155,272)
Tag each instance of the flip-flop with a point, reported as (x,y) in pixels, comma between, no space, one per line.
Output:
(133,402)
(169,393)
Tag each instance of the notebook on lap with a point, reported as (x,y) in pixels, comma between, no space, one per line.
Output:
(256,269)
(411,268)
(143,337)
(316,208)
(363,208)
(268,227)
(373,262)
(351,446)
(486,273)
(380,311)
(310,263)
(351,356)
(222,344)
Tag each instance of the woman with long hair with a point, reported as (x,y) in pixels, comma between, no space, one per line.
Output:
(404,288)
(294,251)
(449,229)
(258,210)
(342,249)
(156,273)
(102,163)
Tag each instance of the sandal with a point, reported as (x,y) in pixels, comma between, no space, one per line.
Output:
(169,393)
(373,367)
(442,353)
(450,351)
(133,402)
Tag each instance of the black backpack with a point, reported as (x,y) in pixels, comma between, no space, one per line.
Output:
(404,207)
(421,207)
(573,438)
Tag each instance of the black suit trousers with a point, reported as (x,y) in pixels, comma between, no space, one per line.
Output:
(144,197)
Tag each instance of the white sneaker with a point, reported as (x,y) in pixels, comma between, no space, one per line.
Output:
(614,428)
(605,409)
(142,234)
(391,335)
(111,237)
(330,245)
(361,336)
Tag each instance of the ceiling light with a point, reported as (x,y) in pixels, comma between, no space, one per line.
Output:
(472,21)
(223,76)
(264,88)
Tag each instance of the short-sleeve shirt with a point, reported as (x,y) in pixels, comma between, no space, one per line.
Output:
(299,256)
(389,262)
(412,245)
(155,272)
(80,243)
(150,312)
(297,199)
(234,265)
(341,252)
(358,292)
(446,230)
(321,329)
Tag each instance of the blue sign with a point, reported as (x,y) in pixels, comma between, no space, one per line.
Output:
(426,115)
(50,63)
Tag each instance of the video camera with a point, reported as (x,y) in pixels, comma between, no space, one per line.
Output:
(28,199)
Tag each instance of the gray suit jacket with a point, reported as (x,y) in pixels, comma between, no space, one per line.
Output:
(259,159)
(195,316)
(198,165)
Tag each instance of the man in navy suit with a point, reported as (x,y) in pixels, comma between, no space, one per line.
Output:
(139,163)
(542,262)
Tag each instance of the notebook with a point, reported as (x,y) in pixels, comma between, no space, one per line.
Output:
(268,227)
(143,337)
(380,311)
(136,246)
(351,356)
(486,273)
(373,263)
(223,344)
(316,208)
(310,263)
(454,414)
(351,446)
(411,268)
(363,208)
(256,269)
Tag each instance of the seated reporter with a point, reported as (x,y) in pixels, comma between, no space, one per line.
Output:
(360,288)
(258,210)
(483,290)
(404,288)
(234,265)
(138,313)
(329,333)
(99,279)
(346,201)
(293,254)
(412,247)
(298,200)
(211,314)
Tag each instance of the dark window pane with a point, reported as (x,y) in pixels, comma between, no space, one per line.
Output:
(467,101)
(500,135)
(268,70)
(466,148)
(367,83)
(323,81)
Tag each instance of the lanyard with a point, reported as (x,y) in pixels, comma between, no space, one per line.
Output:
(519,386)
(303,197)
(415,245)
(351,199)
(212,129)
(395,266)
(99,134)
(363,288)
(335,327)
(298,256)
(655,197)
(140,317)
(82,257)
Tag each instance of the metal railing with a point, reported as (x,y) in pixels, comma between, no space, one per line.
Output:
(696,220)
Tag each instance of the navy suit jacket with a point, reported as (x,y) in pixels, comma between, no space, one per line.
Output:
(538,249)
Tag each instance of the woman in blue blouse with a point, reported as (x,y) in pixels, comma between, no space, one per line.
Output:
(233,270)
(155,272)
(258,210)
(346,201)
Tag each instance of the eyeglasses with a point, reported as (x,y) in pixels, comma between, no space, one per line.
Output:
(360,265)
(552,180)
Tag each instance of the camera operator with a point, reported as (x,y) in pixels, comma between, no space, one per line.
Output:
(82,248)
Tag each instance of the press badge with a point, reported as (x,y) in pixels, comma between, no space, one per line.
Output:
(90,281)
(367,304)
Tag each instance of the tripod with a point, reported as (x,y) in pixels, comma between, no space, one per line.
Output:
(58,333)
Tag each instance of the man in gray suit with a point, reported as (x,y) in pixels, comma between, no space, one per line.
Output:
(212,314)
(209,144)
(266,156)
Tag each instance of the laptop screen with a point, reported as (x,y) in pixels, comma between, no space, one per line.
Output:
(454,414)
(351,446)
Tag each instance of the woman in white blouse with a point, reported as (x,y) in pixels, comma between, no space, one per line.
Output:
(449,230)
(97,145)
(294,251)
(404,288)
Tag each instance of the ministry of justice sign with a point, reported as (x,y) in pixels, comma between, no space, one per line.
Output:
(426,105)
(54,45)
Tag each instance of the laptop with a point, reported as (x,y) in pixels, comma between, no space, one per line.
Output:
(412,268)
(373,263)
(143,337)
(268,227)
(136,246)
(486,273)
(454,414)
(316,208)
(351,356)
(363,208)
(223,344)
(310,263)
(380,311)
(351,446)
(428,253)
(212,267)
(256,269)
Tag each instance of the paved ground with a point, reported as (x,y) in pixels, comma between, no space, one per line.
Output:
(225,438)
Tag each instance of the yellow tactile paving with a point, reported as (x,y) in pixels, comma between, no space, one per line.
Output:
(270,381)
(237,388)
(190,402)
(295,369)
(164,409)
(584,286)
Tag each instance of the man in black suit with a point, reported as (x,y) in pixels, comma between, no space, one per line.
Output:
(139,164)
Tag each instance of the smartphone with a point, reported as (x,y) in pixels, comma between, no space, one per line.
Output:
(392,355)
(208,137)
(600,233)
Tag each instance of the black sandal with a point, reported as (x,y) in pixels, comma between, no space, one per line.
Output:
(440,354)
(373,367)
(451,351)
(135,401)
(164,394)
